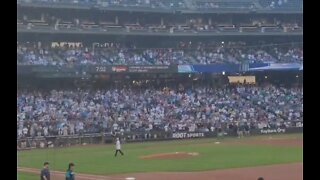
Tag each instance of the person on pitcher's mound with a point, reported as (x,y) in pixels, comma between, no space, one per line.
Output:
(118,147)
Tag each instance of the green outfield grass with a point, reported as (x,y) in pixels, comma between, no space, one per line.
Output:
(100,159)
(27,176)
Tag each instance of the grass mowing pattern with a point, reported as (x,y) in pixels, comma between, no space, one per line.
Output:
(100,159)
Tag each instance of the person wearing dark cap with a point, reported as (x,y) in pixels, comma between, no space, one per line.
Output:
(260,178)
(45,173)
(70,172)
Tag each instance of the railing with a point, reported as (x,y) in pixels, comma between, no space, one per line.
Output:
(65,141)
(148,32)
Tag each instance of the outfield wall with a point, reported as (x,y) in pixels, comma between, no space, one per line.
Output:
(65,141)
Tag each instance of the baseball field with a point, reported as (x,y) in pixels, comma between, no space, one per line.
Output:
(271,156)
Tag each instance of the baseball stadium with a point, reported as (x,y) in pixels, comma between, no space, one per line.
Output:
(160,89)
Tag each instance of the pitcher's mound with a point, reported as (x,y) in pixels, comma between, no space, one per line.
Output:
(170,155)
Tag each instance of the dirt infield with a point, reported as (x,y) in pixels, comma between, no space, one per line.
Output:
(278,142)
(58,175)
(273,172)
(170,155)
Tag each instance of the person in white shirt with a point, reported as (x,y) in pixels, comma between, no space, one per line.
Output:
(25,131)
(19,132)
(118,147)
(45,131)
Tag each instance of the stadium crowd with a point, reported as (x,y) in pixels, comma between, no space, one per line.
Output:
(179,4)
(166,4)
(281,4)
(214,53)
(65,112)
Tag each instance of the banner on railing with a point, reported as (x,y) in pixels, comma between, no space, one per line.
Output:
(269,131)
(210,68)
(275,66)
(187,135)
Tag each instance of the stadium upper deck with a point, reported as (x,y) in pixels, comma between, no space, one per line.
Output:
(194,5)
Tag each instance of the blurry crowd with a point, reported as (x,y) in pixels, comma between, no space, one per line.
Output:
(68,112)
(281,4)
(214,53)
(178,4)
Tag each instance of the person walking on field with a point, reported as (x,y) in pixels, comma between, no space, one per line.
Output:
(70,172)
(45,173)
(118,147)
